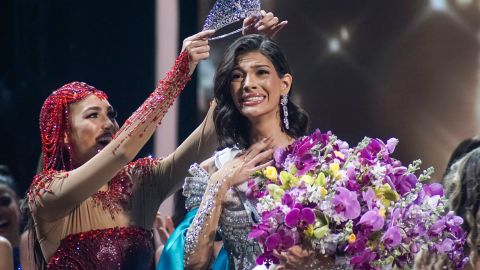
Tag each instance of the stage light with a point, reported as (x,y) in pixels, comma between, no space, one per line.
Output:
(464,2)
(440,5)
(334,45)
(344,34)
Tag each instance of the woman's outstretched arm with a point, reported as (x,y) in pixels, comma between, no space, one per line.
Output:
(52,195)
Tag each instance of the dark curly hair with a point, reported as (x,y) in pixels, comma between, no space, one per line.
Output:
(231,126)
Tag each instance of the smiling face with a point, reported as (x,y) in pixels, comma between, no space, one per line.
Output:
(256,87)
(92,125)
(9,214)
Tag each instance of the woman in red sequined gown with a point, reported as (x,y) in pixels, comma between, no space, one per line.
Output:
(91,208)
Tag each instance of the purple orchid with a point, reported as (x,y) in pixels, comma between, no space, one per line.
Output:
(279,156)
(392,237)
(298,215)
(267,258)
(405,183)
(364,260)
(433,189)
(369,198)
(346,203)
(372,220)
(344,213)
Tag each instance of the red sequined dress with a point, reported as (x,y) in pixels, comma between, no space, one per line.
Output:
(110,228)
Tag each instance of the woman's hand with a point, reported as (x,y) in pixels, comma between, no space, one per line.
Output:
(298,257)
(257,157)
(162,228)
(267,25)
(197,48)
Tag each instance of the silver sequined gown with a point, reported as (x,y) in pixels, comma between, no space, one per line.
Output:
(236,221)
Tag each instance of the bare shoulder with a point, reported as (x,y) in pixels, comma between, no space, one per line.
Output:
(6,256)
(4,242)
(5,245)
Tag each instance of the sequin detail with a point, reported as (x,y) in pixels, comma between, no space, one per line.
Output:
(194,186)
(226,12)
(118,193)
(157,104)
(114,248)
(41,184)
(200,222)
(119,188)
(234,227)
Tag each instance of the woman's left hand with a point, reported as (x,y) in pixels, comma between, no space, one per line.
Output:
(267,25)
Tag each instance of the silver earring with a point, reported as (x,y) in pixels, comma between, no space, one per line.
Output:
(283,102)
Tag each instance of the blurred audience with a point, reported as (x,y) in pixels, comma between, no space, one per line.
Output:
(9,219)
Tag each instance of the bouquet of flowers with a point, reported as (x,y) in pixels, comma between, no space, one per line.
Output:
(360,202)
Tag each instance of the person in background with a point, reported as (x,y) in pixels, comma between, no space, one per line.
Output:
(462,189)
(9,220)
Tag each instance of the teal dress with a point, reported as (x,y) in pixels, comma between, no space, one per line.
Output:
(172,255)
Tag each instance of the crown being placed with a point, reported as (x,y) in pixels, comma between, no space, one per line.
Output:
(226,12)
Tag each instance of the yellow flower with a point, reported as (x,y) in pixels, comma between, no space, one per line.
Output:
(321,232)
(387,195)
(334,167)
(339,154)
(352,238)
(381,212)
(323,191)
(320,181)
(335,170)
(307,179)
(309,231)
(275,191)
(288,180)
(270,172)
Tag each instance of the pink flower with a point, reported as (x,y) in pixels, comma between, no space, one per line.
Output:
(372,220)
(346,203)
(392,237)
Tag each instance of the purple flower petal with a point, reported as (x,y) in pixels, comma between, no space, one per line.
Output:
(392,237)
(272,241)
(288,241)
(433,189)
(405,183)
(446,245)
(391,144)
(369,198)
(256,233)
(292,218)
(287,200)
(346,203)
(372,220)
(308,215)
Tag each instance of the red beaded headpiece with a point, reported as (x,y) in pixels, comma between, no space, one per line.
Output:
(54,123)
